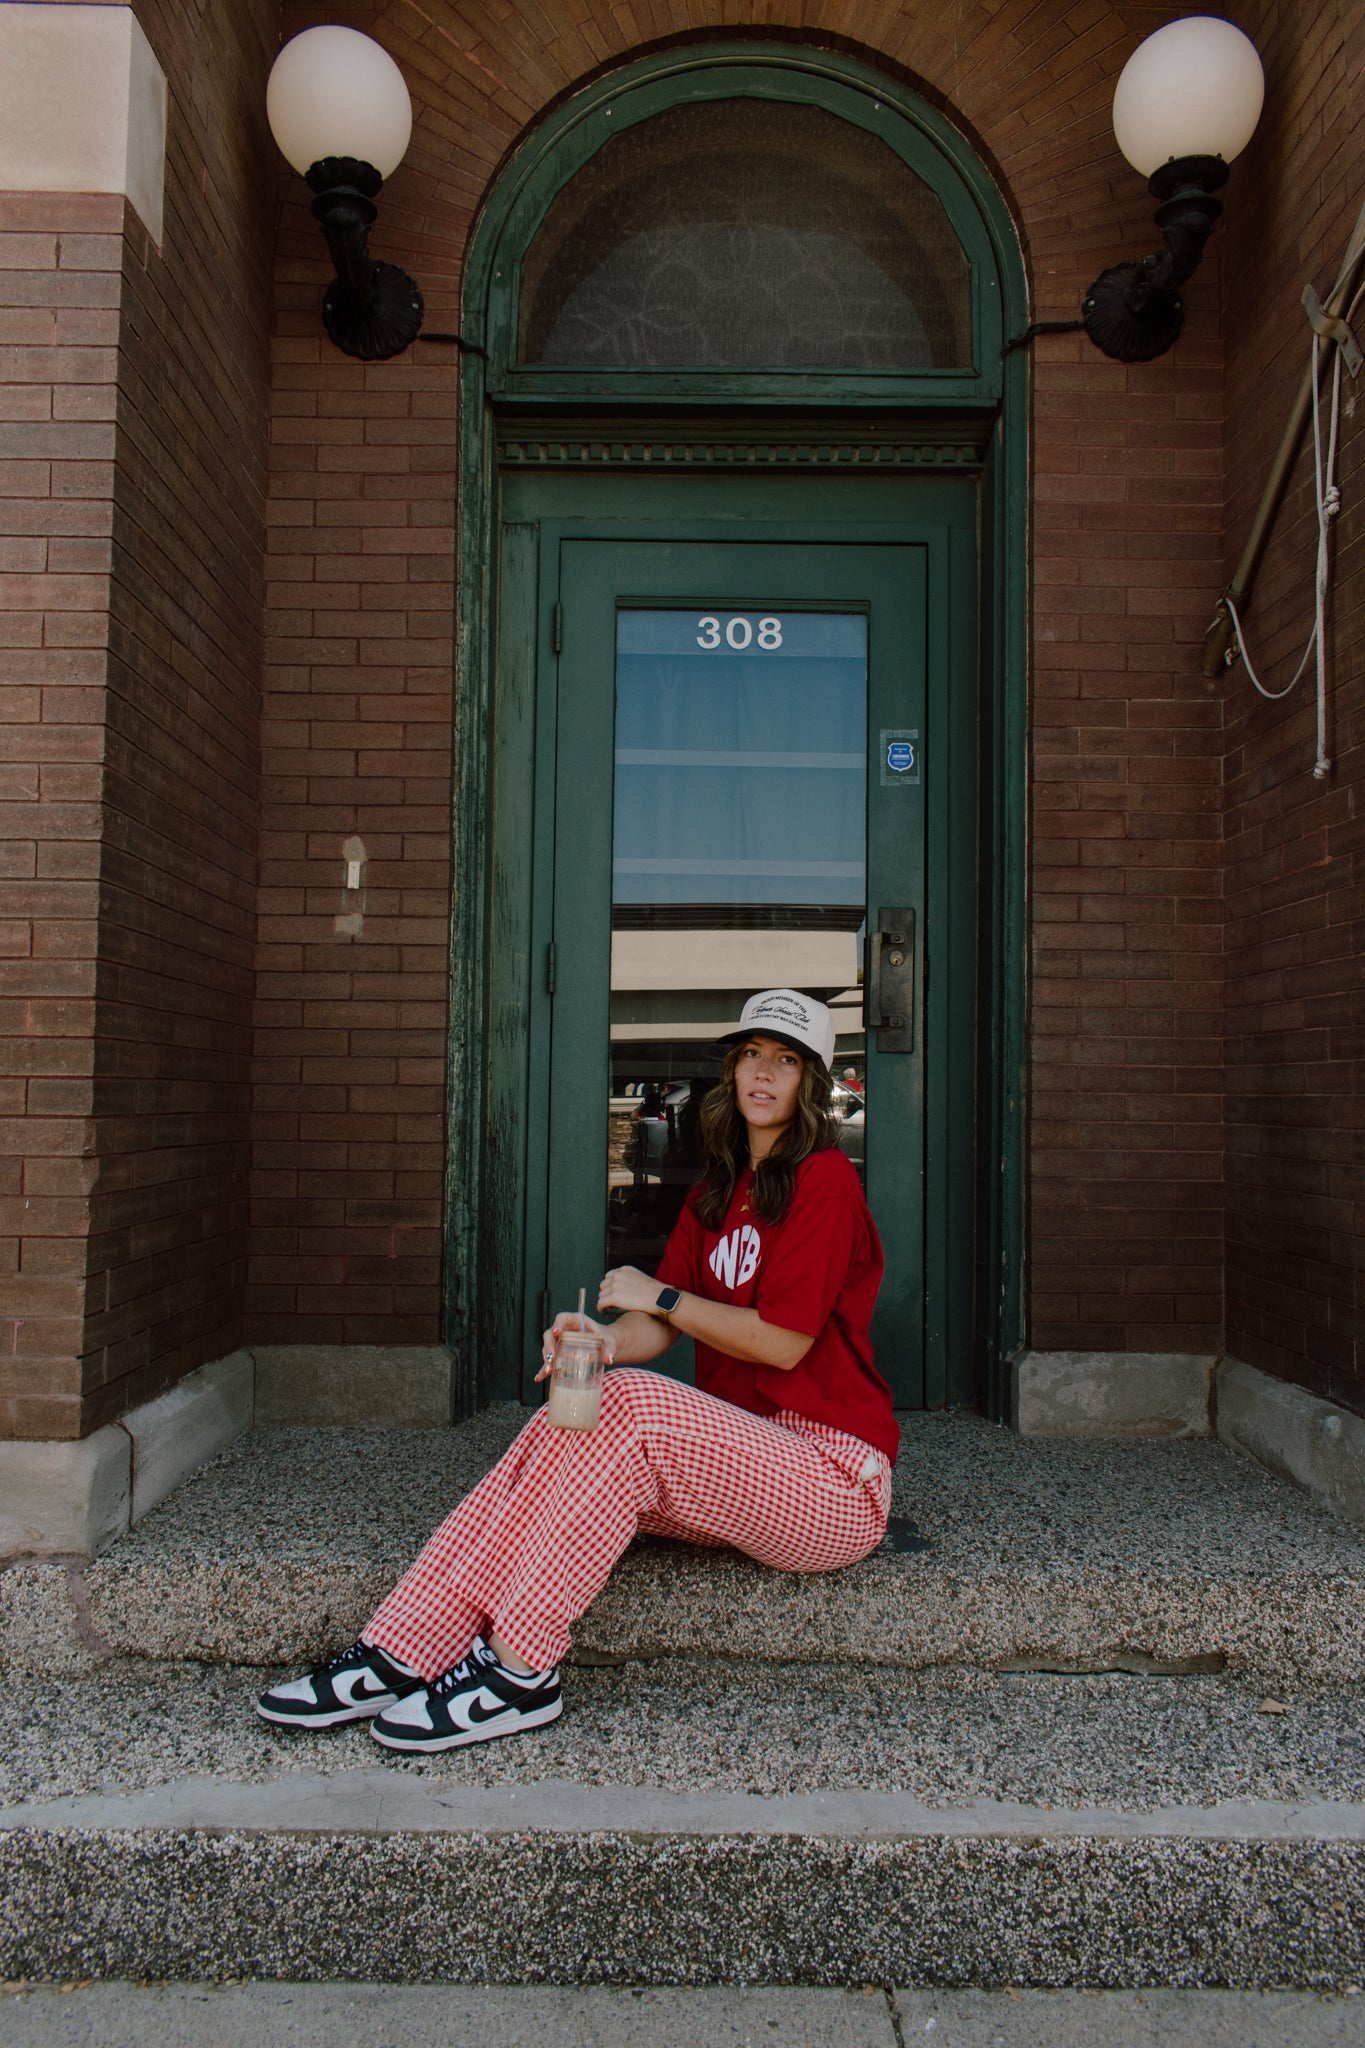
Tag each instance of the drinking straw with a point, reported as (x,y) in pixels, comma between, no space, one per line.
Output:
(582,1297)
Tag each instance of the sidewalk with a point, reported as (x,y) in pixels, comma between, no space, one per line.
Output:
(432,2016)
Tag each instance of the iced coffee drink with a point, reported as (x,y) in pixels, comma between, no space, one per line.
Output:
(576,1380)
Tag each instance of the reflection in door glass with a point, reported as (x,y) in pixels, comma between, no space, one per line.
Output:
(738,863)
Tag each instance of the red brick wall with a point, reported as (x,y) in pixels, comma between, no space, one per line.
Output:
(1296,846)
(356,735)
(1126,1071)
(168,1247)
(130,635)
(134,609)
(1126,1200)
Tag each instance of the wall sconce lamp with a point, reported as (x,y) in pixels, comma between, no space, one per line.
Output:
(339,109)
(1187,102)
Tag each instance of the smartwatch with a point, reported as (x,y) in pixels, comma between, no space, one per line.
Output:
(667,1301)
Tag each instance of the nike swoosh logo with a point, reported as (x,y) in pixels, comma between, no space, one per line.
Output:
(478,1714)
(364,1691)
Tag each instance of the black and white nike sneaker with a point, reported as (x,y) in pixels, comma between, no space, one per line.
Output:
(475,1701)
(358,1684)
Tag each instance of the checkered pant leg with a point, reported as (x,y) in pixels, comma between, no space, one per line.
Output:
(531,1547)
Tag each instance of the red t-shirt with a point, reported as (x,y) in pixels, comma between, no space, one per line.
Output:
(818,1272)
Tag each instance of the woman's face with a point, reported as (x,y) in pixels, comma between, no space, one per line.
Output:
(767,1082)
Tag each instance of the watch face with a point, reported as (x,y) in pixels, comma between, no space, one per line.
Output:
(669,1299)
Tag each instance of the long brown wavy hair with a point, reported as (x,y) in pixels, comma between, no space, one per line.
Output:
(725,1144)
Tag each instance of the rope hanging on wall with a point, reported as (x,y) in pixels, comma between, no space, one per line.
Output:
(1327,495)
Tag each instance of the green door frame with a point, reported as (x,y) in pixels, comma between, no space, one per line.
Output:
(921,419)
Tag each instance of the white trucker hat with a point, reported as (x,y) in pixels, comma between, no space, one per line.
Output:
(791,1018)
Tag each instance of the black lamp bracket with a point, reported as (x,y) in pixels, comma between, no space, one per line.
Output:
(1134,312)
(371,310)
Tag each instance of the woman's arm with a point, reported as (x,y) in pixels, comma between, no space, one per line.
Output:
(739,1332)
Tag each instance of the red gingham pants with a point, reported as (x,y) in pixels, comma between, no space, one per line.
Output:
(531,1547)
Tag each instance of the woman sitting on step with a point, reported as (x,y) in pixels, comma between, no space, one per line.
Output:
(782,1450)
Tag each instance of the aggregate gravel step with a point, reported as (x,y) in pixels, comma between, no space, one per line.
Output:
(697,1821)
(948,1736)
(1171,1554)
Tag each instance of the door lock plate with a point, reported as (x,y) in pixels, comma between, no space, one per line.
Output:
(889,981)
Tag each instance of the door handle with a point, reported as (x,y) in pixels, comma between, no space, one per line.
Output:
(889,1002)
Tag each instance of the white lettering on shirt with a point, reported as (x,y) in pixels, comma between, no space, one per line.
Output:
(735,1259)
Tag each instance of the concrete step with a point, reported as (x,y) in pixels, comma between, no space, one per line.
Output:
(1168,1555)
(697,1821)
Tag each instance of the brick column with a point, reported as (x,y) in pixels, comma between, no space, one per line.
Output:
(132,417)
(61,257)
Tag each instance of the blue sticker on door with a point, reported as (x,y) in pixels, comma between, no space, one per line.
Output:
(900,756)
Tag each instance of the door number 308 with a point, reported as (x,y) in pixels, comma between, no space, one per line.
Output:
(739,633)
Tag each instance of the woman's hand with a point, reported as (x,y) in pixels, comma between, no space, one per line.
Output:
(637,1339)
(626,1287)
(568,1319)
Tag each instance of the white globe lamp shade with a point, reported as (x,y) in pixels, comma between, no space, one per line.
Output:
(334,92)
(1193,89)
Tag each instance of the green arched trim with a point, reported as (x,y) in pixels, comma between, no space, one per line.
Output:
(997,386)
(557,150)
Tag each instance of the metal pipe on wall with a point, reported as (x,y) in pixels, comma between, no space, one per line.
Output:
(1219,637)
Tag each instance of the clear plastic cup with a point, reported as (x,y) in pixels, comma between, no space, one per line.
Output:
(576,1375)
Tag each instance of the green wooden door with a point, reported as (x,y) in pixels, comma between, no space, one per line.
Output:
(735,627)
(754,764)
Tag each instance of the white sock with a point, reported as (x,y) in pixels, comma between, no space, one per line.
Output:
(517,1677)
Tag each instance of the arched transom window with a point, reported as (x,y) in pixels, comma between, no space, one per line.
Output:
(747,234)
